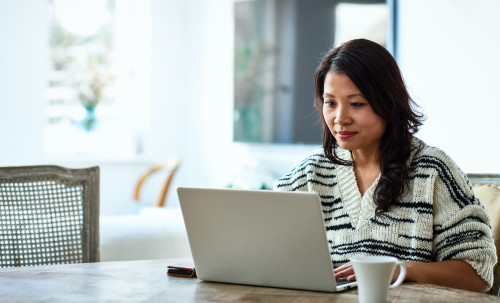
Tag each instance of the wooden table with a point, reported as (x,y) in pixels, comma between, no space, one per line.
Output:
(146,281)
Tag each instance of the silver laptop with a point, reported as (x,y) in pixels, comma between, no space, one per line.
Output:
(264,238)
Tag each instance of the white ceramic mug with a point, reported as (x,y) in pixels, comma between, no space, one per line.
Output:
(374,275)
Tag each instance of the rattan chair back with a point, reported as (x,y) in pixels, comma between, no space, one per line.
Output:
(48,215)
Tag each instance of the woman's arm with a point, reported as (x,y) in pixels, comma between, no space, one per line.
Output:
(450,273)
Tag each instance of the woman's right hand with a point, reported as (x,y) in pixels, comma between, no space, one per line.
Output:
(345,271)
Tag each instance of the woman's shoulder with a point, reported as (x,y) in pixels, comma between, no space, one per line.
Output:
(315,157)
(425,151)
(296,179)
(431,157)
(316,160)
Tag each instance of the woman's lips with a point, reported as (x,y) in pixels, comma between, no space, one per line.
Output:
(345,135)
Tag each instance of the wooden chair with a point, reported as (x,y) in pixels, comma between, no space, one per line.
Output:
(170,165)
(487,188)
(48,215)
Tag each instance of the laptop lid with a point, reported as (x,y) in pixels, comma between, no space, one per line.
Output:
(264,238)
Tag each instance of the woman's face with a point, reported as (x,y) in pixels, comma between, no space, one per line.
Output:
(349,116)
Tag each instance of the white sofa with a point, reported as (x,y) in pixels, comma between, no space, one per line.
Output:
(153,233)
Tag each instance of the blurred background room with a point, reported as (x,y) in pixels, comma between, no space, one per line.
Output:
(226,87)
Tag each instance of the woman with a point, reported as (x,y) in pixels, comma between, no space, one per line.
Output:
(383,191)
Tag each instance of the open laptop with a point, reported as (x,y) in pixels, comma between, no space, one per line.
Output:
(264,238)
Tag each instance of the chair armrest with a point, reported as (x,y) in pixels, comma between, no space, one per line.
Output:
(171,165)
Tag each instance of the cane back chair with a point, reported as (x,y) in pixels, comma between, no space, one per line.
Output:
(48,215)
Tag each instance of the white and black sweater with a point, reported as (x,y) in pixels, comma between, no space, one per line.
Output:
(437,219)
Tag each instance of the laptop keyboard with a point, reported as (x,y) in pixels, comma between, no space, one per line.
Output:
(342,281)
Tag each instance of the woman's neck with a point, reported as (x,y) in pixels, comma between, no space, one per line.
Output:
(366,169)
(365,160)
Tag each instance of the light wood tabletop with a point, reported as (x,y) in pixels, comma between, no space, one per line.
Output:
(147,281)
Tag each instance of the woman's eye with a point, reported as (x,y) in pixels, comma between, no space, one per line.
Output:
(357,104)
(329,103)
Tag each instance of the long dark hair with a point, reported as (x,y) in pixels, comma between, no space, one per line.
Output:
(376,74)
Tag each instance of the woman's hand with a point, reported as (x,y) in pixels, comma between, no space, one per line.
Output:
(345,271)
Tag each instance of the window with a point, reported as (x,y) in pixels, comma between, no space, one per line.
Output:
(98,92)
(278,44)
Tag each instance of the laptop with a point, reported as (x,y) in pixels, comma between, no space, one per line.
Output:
(259,237)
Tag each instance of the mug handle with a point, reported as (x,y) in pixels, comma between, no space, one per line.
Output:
(402,274)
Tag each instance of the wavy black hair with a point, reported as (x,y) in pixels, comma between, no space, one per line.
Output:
(376,74)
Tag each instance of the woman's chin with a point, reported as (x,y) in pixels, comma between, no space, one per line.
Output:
(345,145)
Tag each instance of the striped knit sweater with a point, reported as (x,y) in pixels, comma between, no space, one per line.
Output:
(437,219)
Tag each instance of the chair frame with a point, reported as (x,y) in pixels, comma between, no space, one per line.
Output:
(484,178)
(89,178)
(170,165)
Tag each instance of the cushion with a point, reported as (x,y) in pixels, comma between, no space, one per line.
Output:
(489,195)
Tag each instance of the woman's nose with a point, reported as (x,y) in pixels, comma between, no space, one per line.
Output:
(342,116)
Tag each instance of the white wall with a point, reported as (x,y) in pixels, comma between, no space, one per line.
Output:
(448,55)
(23,72)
